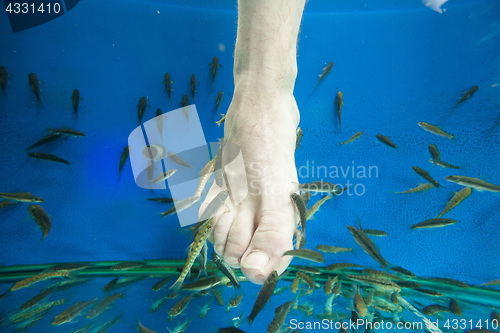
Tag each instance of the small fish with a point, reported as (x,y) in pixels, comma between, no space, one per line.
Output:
(162,199)
(385,140)
(214,205)
(340,266)
(75,99)
(3,78)
(450,282)
(127,281)
(111,285)
(434,130)
(141,108)
(308,269)
(302,209)
(47,139)
(202,284)
(433,223)
(468,94)
(279,320)
(41,218)
(158,304)
(495,316)
(443,164)
(352,138)
(380,284)
(419,188)
(455,307)
(457,198)
(182,327)
(307,279)
(123,159)
(193,85)
(433,309)
(367,245)
(21,196)
(326,70)
(295,284)
(306,254)
(235,301)
(369,298)
(168,84)
(48,157)
(69,267)
(123,266)
(198,243)
(217,102)
(185,103)
(332,249)
(218,296)
(33,82)
(160,284)
(311,211)
(221,120)
(329,284)
(298,137)
(424,174)
(181,205)
(264,296)
(476,183)
(67,131)
(180,306)
(215,65)
(225,269)
(36,299)
(107,325)
(177,160)
(101,306)
(159,121)
(359,304)
(164,176)
(373,232)
(381,274)
(205,308)
(429,292)
(205,175)
(436,156)
(339,101)
(491,283)
(34,311)
(402,271)
(72,312)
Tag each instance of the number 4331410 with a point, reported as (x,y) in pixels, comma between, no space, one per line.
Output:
(32,8)
(465,324)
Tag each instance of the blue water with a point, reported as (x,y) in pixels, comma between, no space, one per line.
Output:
(395,65)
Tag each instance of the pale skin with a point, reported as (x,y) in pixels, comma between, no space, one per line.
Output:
(262,120)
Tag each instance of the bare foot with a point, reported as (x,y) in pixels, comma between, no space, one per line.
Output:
(255,233)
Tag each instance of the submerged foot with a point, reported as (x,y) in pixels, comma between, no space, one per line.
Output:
(254,233)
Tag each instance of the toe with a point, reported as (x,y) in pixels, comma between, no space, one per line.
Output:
(273,237)
(239,237)
(221,231)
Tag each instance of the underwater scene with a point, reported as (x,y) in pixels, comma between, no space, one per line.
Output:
(397,156)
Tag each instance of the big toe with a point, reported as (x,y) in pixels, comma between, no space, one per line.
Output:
(272,238)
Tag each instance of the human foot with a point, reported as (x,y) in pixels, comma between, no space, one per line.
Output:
(254,234)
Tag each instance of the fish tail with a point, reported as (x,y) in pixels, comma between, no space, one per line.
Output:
(176,287)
